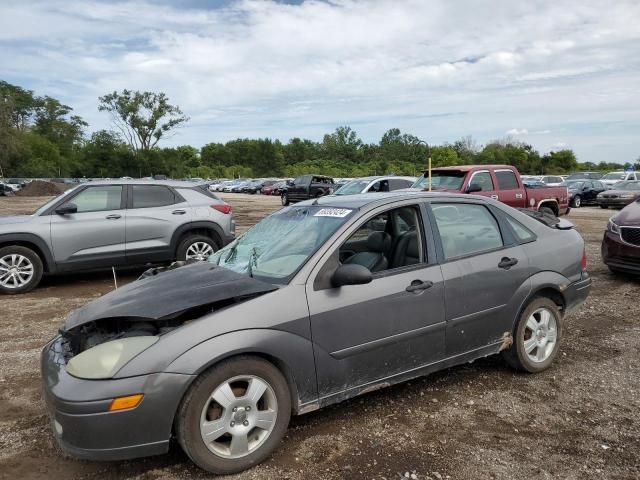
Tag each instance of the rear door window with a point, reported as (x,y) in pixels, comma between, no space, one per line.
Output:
(507,180)
(466,229)
(148,196)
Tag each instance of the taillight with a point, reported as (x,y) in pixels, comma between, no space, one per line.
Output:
(222,208)
(584,260)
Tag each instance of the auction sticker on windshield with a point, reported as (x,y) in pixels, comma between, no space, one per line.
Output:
(333,212)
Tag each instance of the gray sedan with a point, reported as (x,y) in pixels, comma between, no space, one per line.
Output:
(317,303)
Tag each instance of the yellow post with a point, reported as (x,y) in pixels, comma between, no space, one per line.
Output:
(429,172)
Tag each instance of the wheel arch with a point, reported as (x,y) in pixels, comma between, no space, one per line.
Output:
(553,204)
(33,242)
(294,361)
(545,284)
(208,229)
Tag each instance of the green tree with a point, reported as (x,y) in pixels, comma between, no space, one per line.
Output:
(143,118)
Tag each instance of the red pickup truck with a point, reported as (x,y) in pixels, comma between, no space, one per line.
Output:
(500,182)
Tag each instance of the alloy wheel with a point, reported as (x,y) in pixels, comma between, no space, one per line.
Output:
(239,416)
(15,271)
(199,251)
(540,335)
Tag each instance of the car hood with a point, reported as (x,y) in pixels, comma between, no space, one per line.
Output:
(170,293)
(14,219)
(629,215)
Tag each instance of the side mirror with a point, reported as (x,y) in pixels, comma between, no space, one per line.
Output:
(474,187)
(67,209)
(584,189)
(290,182)
(351,274)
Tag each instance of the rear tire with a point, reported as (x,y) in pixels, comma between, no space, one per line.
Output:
(200,406)
(196,247)
(537,335)
(576,202)
(284,199)
(547,211)
(20,269)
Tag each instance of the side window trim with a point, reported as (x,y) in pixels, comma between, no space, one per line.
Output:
(438,241)
(490,177)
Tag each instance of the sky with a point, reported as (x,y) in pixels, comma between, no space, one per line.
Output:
(555,74)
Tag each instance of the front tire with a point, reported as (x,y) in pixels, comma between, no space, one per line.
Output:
(196,248)
(20,269)
(537,337)
(284,199)
(234,415)
(576,202)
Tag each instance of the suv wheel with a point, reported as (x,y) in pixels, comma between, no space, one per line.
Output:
(284,198)
(196,247)
(536,338)
(20,269)
(234,415)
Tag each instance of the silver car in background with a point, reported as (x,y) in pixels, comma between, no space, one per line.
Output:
(115,223)
(376,184)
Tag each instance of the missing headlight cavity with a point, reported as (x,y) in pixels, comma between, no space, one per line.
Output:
(94,333)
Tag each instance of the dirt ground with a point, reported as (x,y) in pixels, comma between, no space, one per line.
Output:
(579,419)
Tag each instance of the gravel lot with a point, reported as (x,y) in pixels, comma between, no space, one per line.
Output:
(579,419)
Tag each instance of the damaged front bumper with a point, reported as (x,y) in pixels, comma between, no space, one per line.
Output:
(79,410)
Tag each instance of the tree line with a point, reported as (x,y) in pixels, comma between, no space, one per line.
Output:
(41,137)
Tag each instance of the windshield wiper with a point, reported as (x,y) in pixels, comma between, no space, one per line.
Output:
(253,259)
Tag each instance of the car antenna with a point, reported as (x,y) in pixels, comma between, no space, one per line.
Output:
(115,279)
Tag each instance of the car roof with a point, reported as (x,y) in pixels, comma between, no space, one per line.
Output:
(466,168)
(365,199)
(168,183)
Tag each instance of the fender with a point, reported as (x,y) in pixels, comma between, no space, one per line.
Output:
(47,257)
(291,353)
(540,281)
(211,226)
(550,200)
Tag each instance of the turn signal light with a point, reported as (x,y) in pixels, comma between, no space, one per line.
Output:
(223,208)
(584,260)
(125,403)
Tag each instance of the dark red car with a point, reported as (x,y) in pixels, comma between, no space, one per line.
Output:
(621,242)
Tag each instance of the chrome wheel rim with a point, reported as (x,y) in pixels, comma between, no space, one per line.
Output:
(15,271)
(239,416)
(540,335)
(199,251)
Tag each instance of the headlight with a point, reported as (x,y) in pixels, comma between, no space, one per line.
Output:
(627,195)
(104,360)
(613,227)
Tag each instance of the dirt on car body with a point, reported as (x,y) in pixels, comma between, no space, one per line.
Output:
(579,419)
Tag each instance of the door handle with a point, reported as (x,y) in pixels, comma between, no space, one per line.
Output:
(179,212)
(419,285)
(113,216)
(507,262)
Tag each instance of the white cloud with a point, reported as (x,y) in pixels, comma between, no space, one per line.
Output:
(439,70)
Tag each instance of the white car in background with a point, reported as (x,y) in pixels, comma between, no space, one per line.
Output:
(375,184)
(611,178)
